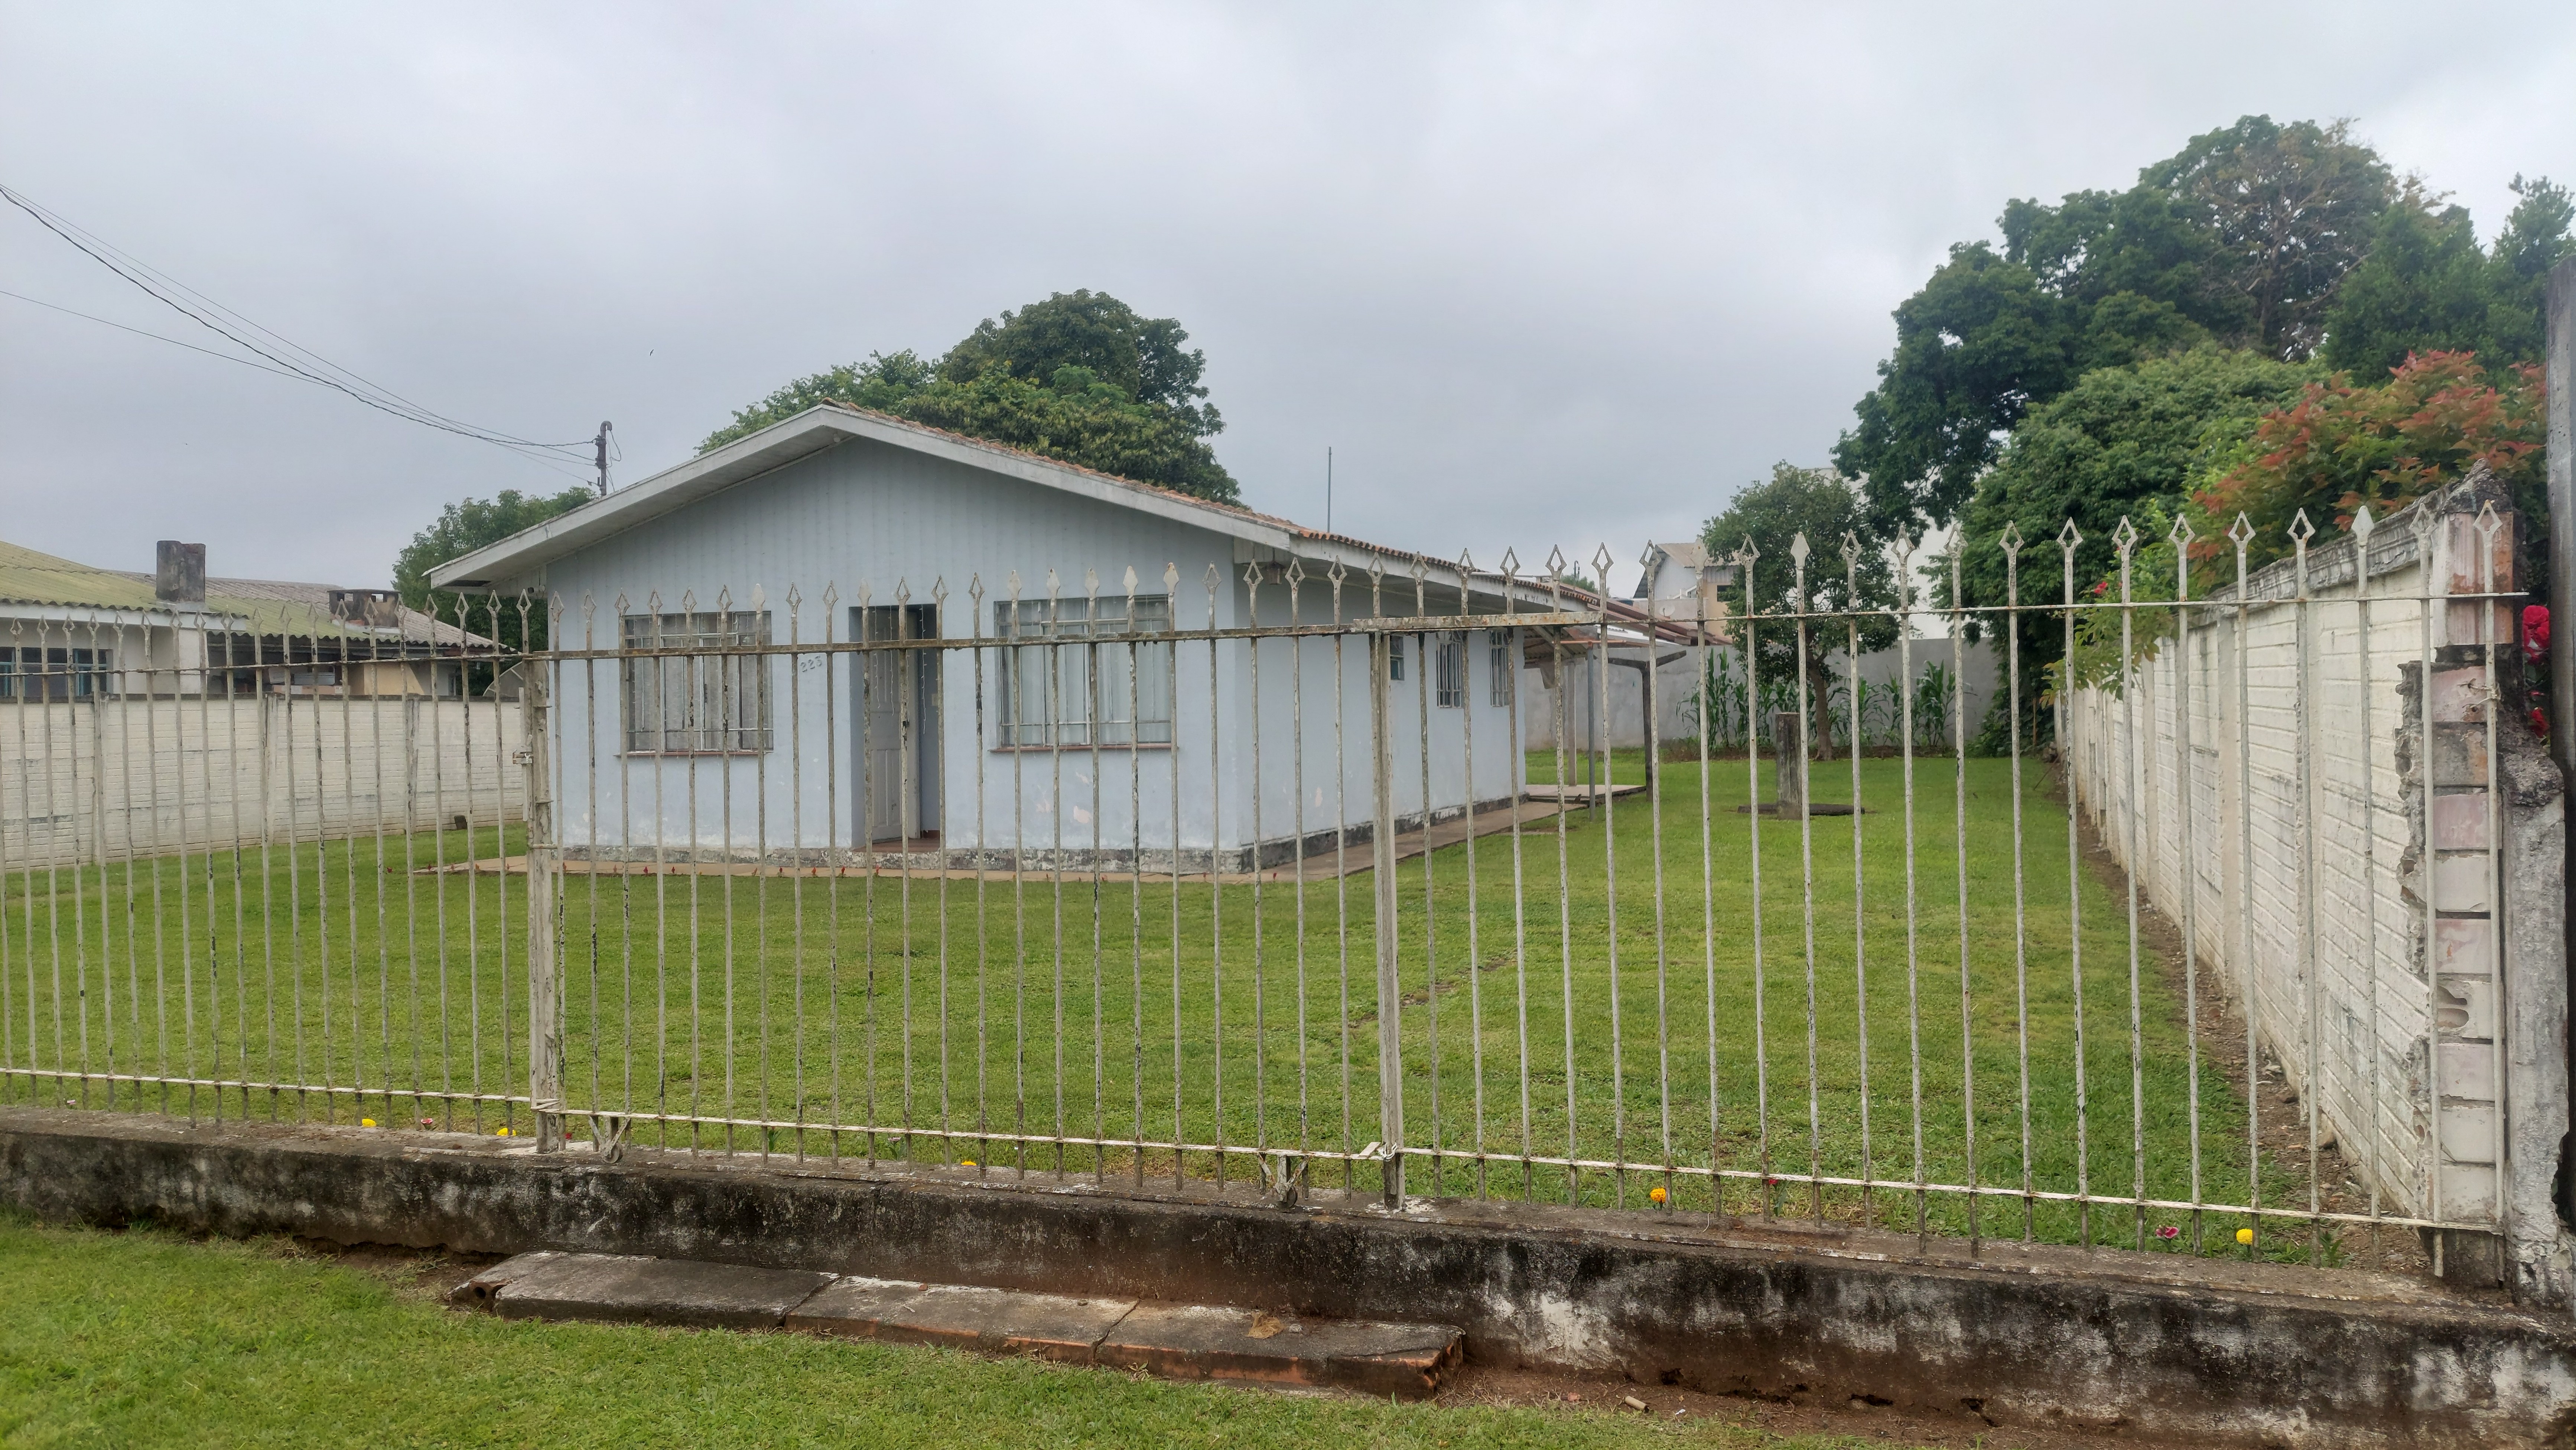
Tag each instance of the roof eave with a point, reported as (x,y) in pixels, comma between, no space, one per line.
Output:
(816,430)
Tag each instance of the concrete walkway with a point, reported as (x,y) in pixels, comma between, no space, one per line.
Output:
(1321,864)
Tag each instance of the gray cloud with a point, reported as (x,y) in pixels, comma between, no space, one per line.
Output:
(1538,275)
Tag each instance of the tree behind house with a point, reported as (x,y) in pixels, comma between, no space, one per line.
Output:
(1770,515)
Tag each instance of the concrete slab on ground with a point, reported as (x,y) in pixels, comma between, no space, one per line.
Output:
(631,1288)
(1178,1341)
(1199,1341)
(963,1316)
(477,1292)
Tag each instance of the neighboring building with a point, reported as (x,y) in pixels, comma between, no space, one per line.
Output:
(1677,575)
(72,632)
(1679,585)
(838,521)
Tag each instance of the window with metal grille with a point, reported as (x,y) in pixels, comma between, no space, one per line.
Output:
(1449,669)
(1395,656)
(1498,654)
(1061,686)
(717,701)
(35,672)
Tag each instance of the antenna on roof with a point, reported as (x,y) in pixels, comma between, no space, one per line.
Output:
(1328,488)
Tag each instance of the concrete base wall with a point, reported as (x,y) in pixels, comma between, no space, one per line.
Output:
(2205,1352)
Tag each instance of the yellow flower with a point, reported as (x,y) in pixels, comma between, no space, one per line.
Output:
(366,1122)
(2245,1236)
(500,1132)
(1658,1194)
(965,1162)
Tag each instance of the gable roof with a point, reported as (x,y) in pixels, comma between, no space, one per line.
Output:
(1689,553)
(829,425)
(817,430)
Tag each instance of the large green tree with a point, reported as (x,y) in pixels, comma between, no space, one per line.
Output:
(463,527)
(1080,376)
(2290,208)
(2428,287)
(2239,239)
(1142,357)
(1769,517)
(882,383)
(2123,441)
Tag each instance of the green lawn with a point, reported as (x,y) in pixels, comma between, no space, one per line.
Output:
(144,1339)
(1047,1009)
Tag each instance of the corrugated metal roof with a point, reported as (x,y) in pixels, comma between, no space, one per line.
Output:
(249,606)
(30,577)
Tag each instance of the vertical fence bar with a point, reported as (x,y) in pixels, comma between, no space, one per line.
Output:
(2241,533)
(1746,557)
(545,1032)
(1136,868)
(1959,843)
(1852,549)
(2362,527)
(1260,1005)
(2186,809)
(1807,728)
(2010,542)
(1475,961)
(1905,587)
(1341,864)
(1390,991)
(1215,580)
(1296,578)
(1557,716)
(2312,1090)
(1426,684)
(2124,538)
(1514,663)
(2067,539)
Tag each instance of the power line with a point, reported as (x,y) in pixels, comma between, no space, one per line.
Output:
(375,396)
(545,461)
(143,275)
(156,337)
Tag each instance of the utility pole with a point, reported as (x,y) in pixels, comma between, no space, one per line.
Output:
(1328,489)
(602,441)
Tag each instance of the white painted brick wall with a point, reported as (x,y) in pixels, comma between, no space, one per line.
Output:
(2330,946)
(127,778)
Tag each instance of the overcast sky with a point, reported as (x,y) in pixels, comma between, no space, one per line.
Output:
(1538,275)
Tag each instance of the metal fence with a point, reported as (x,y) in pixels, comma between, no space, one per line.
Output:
(1251,880)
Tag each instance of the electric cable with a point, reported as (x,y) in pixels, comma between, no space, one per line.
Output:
(98,250)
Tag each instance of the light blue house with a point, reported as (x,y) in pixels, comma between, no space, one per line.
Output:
(1017,739)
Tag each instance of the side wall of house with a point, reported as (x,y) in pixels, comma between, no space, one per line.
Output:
(1307,777)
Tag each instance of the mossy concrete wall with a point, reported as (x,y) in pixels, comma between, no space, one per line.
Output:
(2158,1345)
